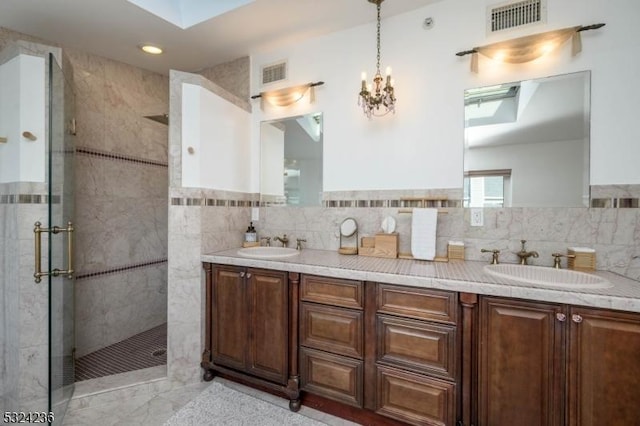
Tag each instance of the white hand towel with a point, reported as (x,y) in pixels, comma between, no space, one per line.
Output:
(423,233)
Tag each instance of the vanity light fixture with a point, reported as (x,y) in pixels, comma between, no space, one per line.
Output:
(151,49)
(372,96)
(526,49)
(289,95)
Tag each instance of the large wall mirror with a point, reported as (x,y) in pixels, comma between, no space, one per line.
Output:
(291,161)
(527,143)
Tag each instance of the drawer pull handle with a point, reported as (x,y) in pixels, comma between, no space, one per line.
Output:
(576,318)
(561,317)
(249,275)
(241,274)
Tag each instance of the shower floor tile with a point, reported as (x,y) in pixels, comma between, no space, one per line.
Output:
(144,350)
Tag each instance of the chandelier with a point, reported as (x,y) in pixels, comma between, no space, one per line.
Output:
(371,97)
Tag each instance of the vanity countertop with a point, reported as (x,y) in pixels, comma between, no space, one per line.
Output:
(464,276)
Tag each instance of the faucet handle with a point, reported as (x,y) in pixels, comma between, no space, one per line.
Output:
(299,243)
(494,257)
(557,256)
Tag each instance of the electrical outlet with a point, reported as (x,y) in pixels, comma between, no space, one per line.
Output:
(477,217)
(255,214)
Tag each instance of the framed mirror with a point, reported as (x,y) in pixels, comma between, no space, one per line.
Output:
(291,161)
(526,143)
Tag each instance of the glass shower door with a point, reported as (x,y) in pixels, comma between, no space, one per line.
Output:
(60,249)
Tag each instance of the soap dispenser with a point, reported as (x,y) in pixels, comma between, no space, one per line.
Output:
(251,236)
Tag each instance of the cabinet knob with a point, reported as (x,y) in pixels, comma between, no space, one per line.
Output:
(561,317)
(576,318)
(241,274)
(248,275)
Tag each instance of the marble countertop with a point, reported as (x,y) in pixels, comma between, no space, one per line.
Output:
(462,276)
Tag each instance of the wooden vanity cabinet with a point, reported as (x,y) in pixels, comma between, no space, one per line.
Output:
(417,360)
(332,338)
(251,328)
(521,363)
(552,364)
(604,367)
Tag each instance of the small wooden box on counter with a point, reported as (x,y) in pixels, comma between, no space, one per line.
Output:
(384,245)
(584,260)
(455,250)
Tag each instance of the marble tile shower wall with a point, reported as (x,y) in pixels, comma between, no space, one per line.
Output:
(232,76)
(613,232)
(200,221)
(121,200)
(24,310)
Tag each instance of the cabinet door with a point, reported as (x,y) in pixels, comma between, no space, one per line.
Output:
(521,363)
(604,368)
(269,324)
(414,398)
(229,317)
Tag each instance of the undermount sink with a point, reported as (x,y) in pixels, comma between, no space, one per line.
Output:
(546,276)
(267,252)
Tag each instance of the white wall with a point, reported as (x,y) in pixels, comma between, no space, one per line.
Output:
(421,145)
(219,133)
(22,108)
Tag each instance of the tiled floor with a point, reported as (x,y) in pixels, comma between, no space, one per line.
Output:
(154,402)
(144,350)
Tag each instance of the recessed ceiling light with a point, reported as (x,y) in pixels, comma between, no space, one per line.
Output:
(151,49)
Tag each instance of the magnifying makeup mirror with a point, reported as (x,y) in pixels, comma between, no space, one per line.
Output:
(348,229)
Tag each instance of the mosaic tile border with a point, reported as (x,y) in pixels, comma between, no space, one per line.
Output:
(91,152)
(28,199)
(393,203)
(121,269)
(616,203)
(212,202)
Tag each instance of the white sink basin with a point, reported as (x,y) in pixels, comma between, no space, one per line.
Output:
(267,252)
(546,276)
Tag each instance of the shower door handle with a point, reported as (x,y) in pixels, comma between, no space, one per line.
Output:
(37,230)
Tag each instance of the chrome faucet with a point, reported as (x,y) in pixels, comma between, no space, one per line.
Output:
(524,255)
(495,254)
(284,240)
(267,241)
(299,244)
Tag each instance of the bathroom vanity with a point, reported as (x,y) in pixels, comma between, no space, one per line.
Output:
(397,340)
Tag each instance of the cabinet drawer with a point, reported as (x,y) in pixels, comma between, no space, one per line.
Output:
(332,291)
(432,305)
(336,330)
(415,399)
(418,346)
(332,376)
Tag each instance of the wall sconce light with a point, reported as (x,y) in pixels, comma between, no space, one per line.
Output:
(287,96)
(526,49)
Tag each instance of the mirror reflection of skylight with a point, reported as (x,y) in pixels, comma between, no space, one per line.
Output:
(187,13)
(491,105)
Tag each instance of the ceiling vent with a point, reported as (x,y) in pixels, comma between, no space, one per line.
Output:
(274,72)
(514,15)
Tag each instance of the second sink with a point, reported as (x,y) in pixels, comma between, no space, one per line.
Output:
(267,252)
(545,276)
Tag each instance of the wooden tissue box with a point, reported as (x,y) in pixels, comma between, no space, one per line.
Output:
(584,260)
(455,251)
(384,245)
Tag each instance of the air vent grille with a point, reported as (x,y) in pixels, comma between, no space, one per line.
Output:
(514,15)
(275,72)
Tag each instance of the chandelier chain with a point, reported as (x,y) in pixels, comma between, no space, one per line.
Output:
(378,41)
(381,93)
